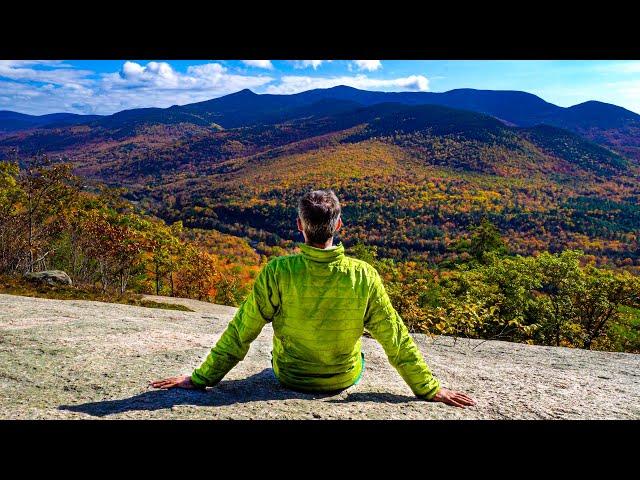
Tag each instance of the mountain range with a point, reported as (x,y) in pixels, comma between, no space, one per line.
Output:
(246,108)
(415,169)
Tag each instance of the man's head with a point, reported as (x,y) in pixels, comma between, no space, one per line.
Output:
(319,216)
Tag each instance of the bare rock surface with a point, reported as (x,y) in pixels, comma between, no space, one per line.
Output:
(81,359)
(50,277)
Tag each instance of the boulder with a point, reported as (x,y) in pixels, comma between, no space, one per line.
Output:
(50,277)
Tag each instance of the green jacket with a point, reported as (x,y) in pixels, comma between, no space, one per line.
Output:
(319,302)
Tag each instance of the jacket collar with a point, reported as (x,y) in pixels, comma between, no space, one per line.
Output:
(322,255)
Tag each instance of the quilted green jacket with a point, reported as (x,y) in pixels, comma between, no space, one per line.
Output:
(319,302)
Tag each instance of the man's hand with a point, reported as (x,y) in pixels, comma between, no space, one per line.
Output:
(455,399)
(181,381)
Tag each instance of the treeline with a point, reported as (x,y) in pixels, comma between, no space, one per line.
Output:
(558,299)
(49,220)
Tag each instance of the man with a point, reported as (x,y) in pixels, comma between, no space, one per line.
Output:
(319,302)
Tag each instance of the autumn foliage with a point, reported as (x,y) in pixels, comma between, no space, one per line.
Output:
(49,221)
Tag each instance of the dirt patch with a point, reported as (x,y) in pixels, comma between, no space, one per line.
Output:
(80,359)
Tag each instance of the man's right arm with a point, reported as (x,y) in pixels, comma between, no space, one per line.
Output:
(386,326)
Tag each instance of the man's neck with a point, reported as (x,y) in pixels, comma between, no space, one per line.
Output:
(327,244)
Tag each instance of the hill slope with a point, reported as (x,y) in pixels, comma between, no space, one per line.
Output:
(78,359)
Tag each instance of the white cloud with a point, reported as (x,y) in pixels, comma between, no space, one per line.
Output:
(49,98)
(159,74)
(294,84)
(158,84)
(132,70)
(368,65)
(51,71)
(50,63)
(308,63)
(259,64)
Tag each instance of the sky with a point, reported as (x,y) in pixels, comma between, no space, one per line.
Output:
(103,87)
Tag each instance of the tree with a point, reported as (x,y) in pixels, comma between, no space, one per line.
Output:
(48,188)
(116,246)
(10,195)
(198,274)
(32,202)
(165,249)
(485,238)
(368,253)
(562,281)
(598,304)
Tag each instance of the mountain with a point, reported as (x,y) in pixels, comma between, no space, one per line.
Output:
(240,109)
(603,123)
(593,114)
(608,125)
(131,153)
(246,108)
(14,121)
(519,108)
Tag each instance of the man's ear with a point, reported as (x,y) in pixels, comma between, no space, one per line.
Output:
(299,222)
(339,224)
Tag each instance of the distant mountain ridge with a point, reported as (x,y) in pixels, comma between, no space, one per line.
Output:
(245,108)
(609,125)
(14,121)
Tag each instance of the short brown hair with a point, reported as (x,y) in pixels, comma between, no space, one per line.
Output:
(319,211)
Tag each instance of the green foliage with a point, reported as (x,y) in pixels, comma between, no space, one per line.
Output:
(484,238)
(550,299)
(623,335)
(230,291)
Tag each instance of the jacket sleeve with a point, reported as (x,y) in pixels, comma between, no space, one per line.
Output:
(386,326)
(254,312)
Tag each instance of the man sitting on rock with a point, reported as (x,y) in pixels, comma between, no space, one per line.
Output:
(319,302)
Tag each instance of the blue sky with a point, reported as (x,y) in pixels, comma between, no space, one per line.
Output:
(108,86)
